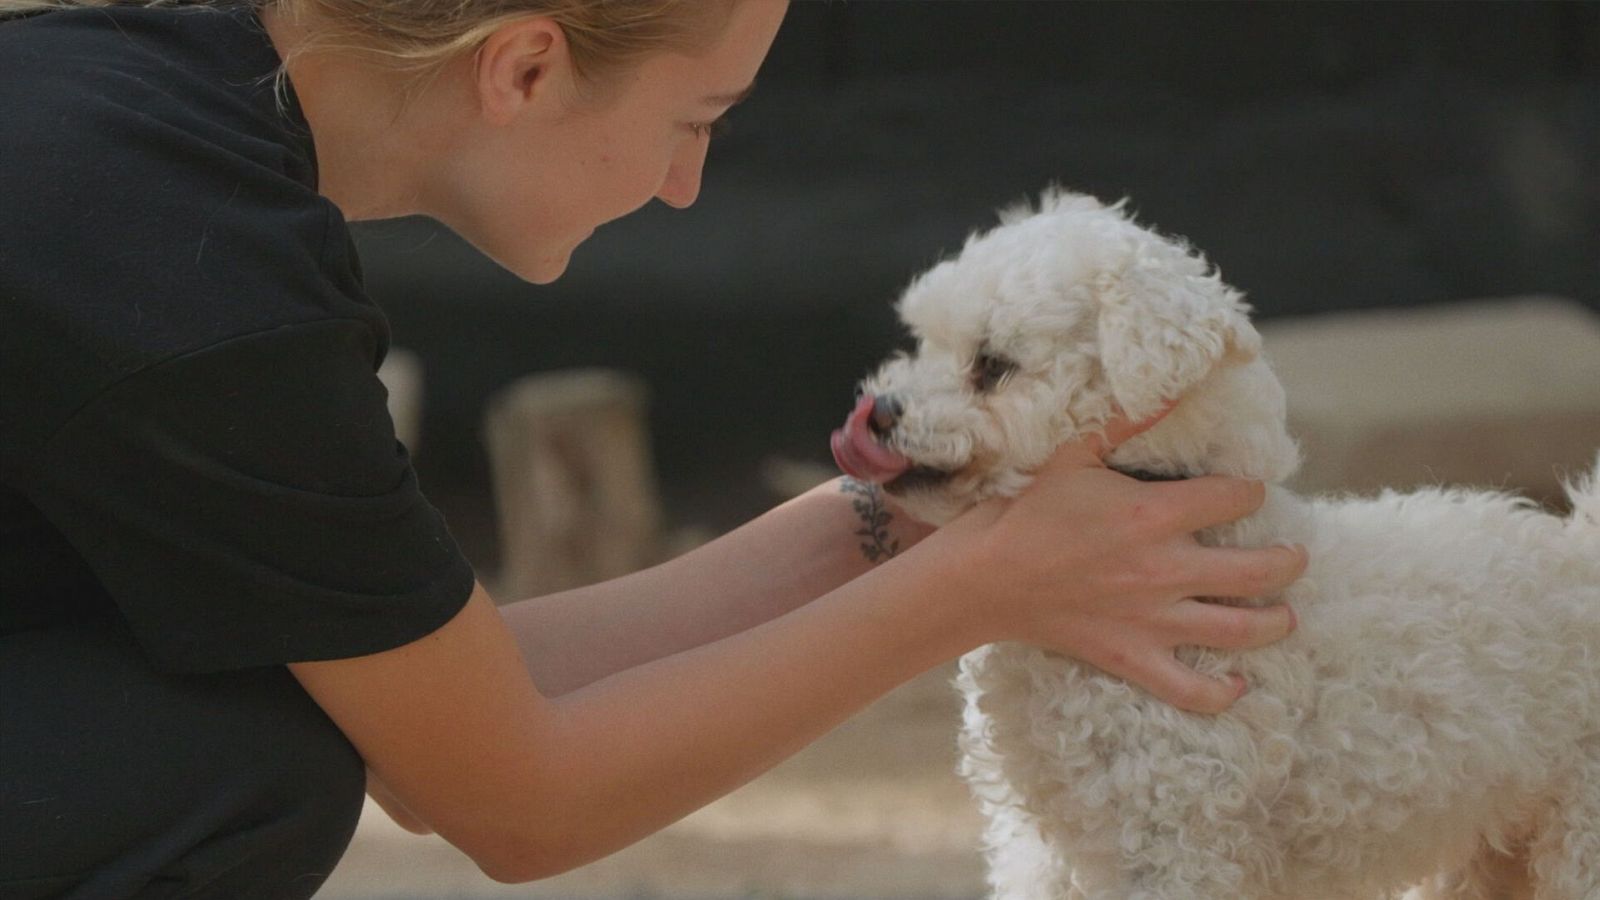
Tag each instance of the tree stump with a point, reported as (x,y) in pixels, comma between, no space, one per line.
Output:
(574,487)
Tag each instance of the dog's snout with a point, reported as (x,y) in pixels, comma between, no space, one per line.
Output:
(886,410)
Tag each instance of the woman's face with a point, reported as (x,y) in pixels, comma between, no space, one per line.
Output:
(539,165)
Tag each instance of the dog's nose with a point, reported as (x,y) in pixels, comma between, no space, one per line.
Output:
(886,412)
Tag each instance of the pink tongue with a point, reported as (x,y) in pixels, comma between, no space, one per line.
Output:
(859,454)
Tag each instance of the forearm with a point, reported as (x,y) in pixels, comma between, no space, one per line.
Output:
(631,753)
(781,560)
(530,786)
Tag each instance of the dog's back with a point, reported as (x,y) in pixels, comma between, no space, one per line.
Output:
(1449,642)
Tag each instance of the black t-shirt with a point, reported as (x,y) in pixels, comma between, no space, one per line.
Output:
(193,438)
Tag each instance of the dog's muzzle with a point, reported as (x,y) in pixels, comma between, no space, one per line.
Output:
(860,451)
(857,447)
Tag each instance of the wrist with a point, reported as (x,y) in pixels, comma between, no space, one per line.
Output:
(938,574)
(882,530)
(968,579)
(877,543)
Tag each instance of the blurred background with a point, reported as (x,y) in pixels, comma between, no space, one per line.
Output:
(1326,156)
(1409,194)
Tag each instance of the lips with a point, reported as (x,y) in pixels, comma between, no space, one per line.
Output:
(858,452)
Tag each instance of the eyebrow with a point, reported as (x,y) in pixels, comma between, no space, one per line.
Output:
(733,99)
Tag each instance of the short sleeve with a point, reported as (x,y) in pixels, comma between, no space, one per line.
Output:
(247,504)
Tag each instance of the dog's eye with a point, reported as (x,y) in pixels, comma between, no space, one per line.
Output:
(990,371)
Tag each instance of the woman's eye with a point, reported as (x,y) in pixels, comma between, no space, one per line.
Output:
(990,371)
(713,129)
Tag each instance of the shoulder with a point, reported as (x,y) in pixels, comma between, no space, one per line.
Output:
(122,125)
(205,72)
(160,199)
(104,109)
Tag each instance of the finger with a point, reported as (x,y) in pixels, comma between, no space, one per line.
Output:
(1242,573)
(1079,454)
(1210,500)
(1170,681)
(1092,448)
(1229,627)
(1121,429)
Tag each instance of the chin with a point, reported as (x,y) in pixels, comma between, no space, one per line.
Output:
(542,275)
(540,263)
(536,268)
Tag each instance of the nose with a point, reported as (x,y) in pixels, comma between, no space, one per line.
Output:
(886,412)
(682,184)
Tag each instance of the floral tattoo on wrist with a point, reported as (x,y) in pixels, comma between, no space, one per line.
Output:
(867,499)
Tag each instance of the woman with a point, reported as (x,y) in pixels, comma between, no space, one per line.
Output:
(227,607)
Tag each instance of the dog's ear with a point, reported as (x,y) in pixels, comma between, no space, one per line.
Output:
(1162,329)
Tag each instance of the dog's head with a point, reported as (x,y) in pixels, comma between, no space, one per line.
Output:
(1041,331)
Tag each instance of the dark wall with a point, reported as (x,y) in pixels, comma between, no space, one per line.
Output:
(1324,155)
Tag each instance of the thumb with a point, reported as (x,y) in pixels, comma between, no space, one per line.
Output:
(1091,449)
(1121,429)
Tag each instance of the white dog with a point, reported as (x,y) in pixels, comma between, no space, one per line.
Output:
(1438,705)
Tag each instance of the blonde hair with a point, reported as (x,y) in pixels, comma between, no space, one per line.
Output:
(604,37)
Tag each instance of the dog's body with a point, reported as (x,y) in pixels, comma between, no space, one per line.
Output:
(1439,703)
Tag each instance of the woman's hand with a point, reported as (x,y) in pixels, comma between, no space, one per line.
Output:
(1104,568)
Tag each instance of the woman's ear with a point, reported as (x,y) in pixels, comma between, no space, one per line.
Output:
(1161,332)
(520,64)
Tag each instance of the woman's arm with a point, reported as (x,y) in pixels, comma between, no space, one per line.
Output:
(1087,562)
(452,726)
(790,556)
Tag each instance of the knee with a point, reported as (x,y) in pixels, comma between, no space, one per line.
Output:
(309,781)
(286,800)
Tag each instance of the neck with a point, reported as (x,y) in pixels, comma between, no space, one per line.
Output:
(1232,423)
(371,141)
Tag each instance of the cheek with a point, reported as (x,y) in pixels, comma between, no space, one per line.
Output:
(630,162)
(1028,423)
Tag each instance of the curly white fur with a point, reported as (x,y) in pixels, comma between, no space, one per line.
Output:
(1439,704)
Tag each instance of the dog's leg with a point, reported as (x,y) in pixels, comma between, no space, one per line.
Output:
(1022,865)
(1172,868)
(1565,856)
